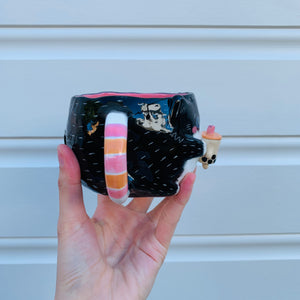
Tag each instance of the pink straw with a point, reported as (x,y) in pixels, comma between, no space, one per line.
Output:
(210,129)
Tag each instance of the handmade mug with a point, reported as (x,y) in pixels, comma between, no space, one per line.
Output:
(137,144)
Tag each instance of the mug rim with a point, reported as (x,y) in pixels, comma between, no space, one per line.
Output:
(133,94)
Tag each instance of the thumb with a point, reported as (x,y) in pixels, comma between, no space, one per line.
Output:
(71,206)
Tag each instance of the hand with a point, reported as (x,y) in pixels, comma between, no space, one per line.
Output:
(118,252)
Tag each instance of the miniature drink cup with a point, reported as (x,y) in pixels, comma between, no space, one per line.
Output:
(136,144)
(212,140)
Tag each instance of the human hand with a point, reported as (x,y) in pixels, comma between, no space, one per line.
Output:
(118,252)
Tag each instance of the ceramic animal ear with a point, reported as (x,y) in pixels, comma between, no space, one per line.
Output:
(175,109)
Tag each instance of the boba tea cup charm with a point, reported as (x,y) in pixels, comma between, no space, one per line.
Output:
(212,140)
(137,144)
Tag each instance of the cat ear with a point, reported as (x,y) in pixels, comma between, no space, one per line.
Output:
(174,111)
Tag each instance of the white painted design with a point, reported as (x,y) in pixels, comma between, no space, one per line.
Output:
(153,118)
(120,173)
(189,166)
(115,117)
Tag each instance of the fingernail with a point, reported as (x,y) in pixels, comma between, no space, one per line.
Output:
(60,157)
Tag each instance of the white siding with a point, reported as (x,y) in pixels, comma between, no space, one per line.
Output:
(151,13)
(239,237)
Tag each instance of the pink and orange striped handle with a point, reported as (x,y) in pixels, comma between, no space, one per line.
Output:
(115,156)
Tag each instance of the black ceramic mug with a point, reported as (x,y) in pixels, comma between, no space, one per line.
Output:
(134,144)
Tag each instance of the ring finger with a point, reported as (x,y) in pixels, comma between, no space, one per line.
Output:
(140,204)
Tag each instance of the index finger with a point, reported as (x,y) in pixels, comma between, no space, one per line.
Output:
(71,206)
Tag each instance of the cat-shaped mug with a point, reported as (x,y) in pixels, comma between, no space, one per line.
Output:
(137,144)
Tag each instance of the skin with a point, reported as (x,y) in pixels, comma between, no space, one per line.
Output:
(116,253)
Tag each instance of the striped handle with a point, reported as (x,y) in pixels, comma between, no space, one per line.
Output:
(115,156)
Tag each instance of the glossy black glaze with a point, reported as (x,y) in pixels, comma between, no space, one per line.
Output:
(155,154)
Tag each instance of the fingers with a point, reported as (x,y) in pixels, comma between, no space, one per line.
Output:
(105,207)
(71,206)
(140,204)
(168,212)
(102,199)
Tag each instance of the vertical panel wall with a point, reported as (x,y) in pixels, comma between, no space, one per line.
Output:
(239,235)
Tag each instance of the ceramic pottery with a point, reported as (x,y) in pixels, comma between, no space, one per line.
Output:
(135,145)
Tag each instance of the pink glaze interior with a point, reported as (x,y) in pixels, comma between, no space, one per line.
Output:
(143,95)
